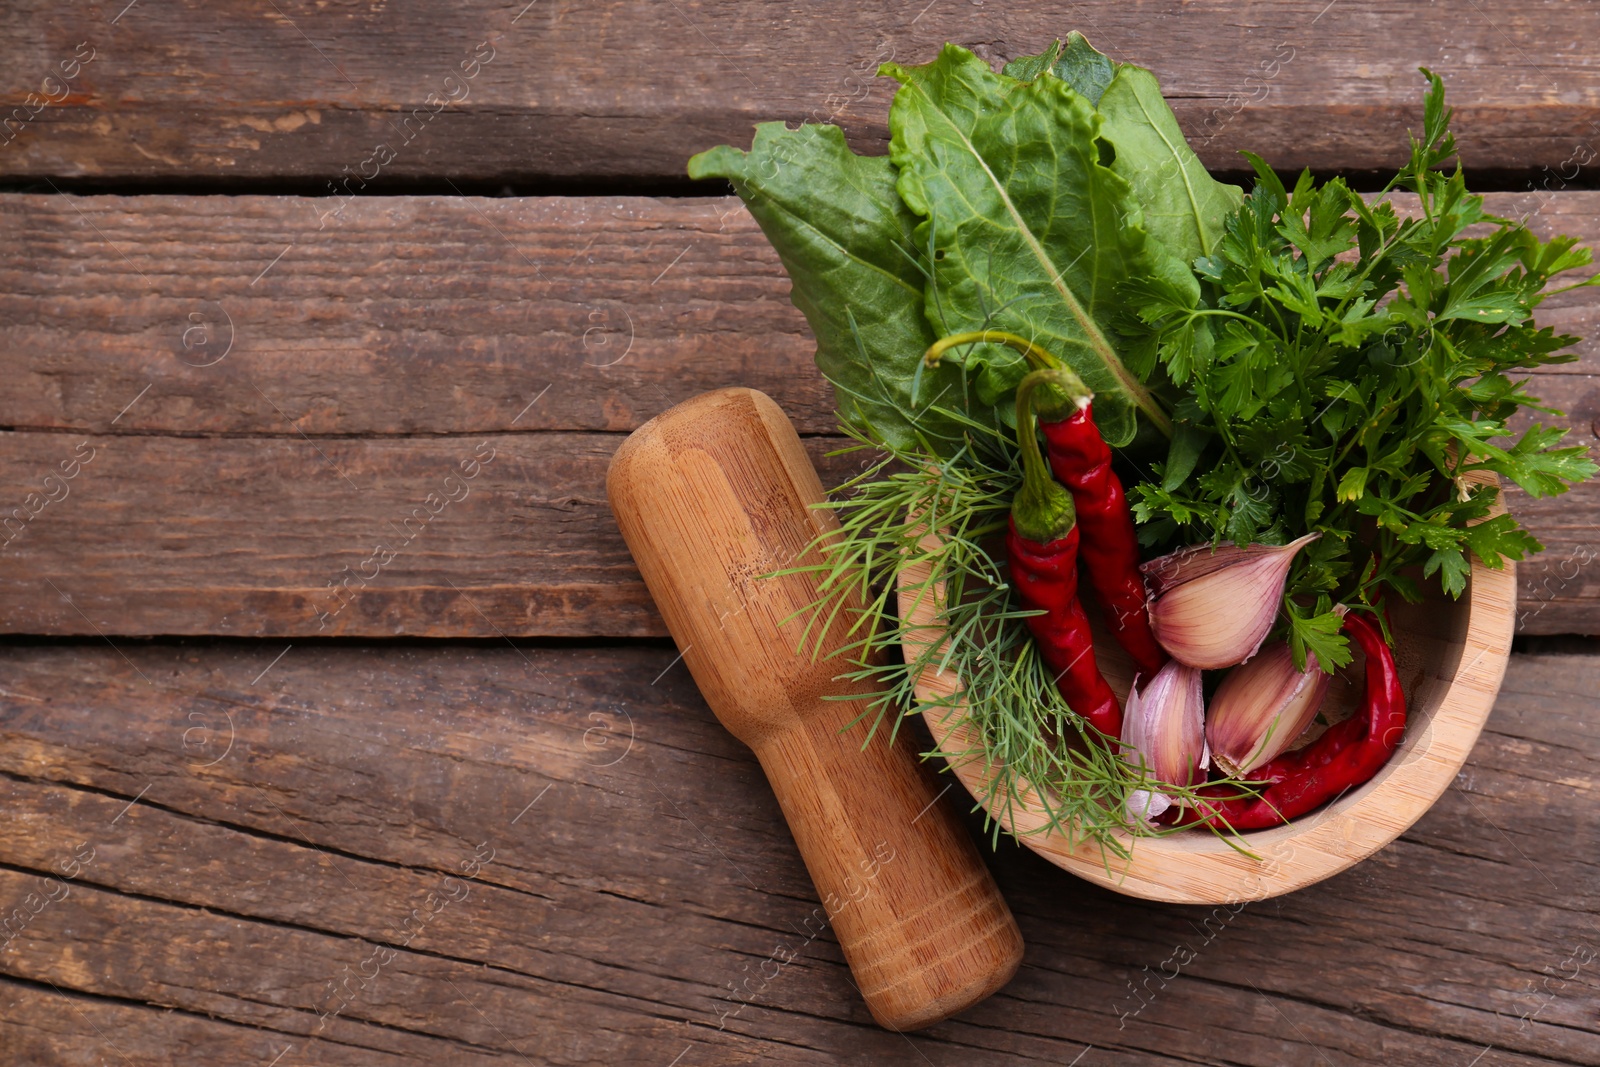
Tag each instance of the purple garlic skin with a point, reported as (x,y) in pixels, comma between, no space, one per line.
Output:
(1262,707)
(1213,608)
(1163,726)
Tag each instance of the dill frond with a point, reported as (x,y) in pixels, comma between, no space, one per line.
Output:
(919,535)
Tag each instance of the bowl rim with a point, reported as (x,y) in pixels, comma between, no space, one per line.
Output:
(1202,868)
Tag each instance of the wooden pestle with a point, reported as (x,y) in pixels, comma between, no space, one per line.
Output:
(711,496)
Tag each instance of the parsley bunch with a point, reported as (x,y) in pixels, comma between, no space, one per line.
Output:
(1345,365)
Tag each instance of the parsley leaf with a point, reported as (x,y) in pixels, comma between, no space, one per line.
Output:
(1360,363)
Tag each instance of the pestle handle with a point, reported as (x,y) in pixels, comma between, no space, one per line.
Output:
(711,496)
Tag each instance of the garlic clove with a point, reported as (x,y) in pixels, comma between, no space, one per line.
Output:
(1262,707)
(1163,726)
(1145,806)
(1214,607)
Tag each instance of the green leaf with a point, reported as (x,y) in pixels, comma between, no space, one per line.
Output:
(1484,307)
(1077,62)
(1537,466)
(1027,68)
(1188,442)
(1151,502)
(1352,485)
(847,242)
(1482,261)
(1029,232)
(1438,144)
(1084,68)
(1498,539)
(1319,633)
(1452,567)
(1544,259)
(1316,222)
(1285,453)
(1251,504)
(1184,206)
(1298,293)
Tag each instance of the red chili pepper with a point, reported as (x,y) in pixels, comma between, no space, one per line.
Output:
(1346,756)
(1081,460)
(1042,548)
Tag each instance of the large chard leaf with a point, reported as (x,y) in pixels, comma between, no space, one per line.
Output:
(846,240)
(1029,230)
(1077,62)
(1183,205)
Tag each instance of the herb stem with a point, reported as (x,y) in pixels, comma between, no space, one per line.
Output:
(1040,359)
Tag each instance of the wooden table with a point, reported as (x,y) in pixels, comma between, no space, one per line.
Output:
(313,750)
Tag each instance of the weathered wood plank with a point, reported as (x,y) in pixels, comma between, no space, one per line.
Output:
(257,826)
(337,536)
(351,90)
(495,317)
(434,537)
(399,315)
(52,1026)
(239,315)
(386,536)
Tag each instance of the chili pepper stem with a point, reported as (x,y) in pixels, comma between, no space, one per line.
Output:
(1076,392)
(1043,510)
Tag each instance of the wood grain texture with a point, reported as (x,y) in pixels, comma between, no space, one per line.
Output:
(201,315)
(630,91)
(711,495)
(388,339)
(400,315)
(258,827)
(288,851)
(330,537)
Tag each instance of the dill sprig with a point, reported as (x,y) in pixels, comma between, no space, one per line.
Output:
(920,530)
